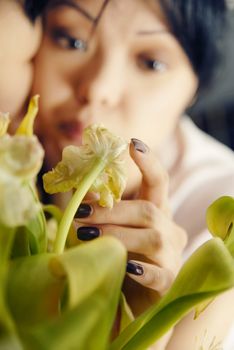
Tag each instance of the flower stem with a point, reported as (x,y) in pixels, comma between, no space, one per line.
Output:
(7,235)
(6,241)
(74,203)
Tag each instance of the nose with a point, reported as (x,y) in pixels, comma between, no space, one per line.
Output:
(103,81)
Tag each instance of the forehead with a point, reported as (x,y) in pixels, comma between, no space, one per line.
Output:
(145,12)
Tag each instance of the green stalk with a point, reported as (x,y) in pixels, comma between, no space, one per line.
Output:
(74,203)
(6,240)
(229,240)
(7,235)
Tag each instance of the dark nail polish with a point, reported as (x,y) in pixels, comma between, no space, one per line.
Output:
(139,146)
(134,268)
(83,211)
(86,233)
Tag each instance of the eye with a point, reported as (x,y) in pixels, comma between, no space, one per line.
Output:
(147,63)
(66,41)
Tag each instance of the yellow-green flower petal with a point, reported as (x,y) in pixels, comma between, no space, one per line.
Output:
(4,122)
(20,156)
(110,185)
(26,126)
(68,173)
(220,216)
(77,162)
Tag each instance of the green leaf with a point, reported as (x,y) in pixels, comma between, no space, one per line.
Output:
(201,307)
(126,313)
(37,229)
(207,273)
(32,238)
(10,342)
(86,326)
(33,290)
(69,300)
(6,322)
(21,245)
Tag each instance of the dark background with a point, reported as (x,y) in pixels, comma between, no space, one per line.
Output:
(214,112)
(218,122)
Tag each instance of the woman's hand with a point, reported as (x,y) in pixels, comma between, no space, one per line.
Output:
(144,225)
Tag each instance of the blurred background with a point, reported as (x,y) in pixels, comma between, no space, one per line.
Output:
(214,113)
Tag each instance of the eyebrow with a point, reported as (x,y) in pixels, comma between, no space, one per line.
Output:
(152,32)
(74,5)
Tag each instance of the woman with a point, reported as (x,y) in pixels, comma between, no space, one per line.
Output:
(136,66)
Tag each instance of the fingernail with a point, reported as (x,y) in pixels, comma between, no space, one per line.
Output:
(83,211)
(86,233)
(139,146)
(134,268)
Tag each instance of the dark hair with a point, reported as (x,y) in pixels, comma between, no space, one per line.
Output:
(197,24)
(34,8)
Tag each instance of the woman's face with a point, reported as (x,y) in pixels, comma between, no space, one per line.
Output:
(19,40)
(133,77)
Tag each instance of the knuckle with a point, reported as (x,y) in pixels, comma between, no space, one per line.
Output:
(151,277)
(117,233)
(148,213)
(106,229)
(156,240)
(100,214)
(158,279)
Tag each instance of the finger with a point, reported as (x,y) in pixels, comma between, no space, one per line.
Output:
(154,185)
(137,213)
(91,197)
(150,276)
(140,241)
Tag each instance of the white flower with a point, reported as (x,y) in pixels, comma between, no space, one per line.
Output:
(17,203)
(21,158)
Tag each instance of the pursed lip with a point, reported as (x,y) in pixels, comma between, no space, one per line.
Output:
(71,130)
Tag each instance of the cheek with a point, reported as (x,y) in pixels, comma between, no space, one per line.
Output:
(50,83)
(16,80)
(154,109)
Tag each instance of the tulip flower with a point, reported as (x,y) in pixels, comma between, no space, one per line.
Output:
(97,165)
